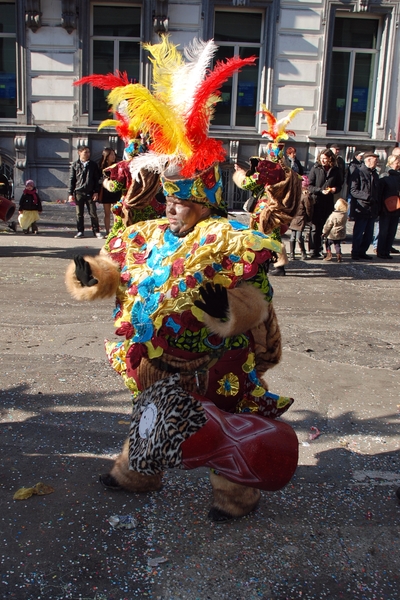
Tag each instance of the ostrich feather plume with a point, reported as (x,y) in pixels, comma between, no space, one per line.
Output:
(176,113)
(277,129)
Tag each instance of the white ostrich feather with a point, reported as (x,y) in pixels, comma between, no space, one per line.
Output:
(151,161)
(190,75)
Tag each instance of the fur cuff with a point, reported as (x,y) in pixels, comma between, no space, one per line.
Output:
(105,270)
(247,309)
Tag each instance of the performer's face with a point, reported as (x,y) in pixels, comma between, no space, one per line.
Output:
(183,214)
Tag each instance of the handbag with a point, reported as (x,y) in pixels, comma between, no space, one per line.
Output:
(392,203)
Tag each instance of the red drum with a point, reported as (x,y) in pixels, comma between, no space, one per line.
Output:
(171,428)
(7,209)
(245,448)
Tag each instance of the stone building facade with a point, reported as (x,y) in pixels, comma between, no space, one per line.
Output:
(337,59)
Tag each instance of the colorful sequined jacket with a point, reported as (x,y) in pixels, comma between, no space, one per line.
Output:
(156,277)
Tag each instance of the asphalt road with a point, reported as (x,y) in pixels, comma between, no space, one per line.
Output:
(333,532)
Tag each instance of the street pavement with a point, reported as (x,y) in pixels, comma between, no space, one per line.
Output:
(333,532)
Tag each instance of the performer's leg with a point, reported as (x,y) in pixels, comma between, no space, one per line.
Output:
(120,477)
(231,500)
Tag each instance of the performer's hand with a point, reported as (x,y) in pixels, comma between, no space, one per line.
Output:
(215,300)
(83,272)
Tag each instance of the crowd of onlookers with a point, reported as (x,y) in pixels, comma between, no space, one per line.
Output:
(334,193)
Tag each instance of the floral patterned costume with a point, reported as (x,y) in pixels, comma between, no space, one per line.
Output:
(159,276)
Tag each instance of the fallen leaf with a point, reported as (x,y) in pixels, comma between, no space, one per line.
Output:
(40,489)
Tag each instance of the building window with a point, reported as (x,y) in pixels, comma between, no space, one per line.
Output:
(238,34)
(115,46)
(353,74)
(8,79)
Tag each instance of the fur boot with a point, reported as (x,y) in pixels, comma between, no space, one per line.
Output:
(231,500)
(328,255)
(120,477)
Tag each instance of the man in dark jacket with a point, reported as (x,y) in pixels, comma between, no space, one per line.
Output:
(84,184)
(364,191)
(341,165)
(354,164)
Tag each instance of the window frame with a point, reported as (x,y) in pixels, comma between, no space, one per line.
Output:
(116,41)
(260,66)
(15,37)
(337,14)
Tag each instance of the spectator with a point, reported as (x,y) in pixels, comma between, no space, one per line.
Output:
(324,180)
(29,208)
(364,190)
(84,185)
(107,198)
(341,165)
(294,162)
(388,219)
(393,250)
(298,223)
(395,152)
(355,163)
(335,229)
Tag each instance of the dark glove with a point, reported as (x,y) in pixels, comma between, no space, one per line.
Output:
(215,300)
(83,272)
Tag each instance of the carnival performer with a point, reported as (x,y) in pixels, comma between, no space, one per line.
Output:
(194,307)
(275,187)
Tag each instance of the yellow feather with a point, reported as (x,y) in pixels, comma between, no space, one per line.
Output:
(166,60)
(149,114)
(108,123)
(283,123)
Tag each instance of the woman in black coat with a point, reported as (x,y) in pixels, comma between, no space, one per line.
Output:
(325,181)
(388,220)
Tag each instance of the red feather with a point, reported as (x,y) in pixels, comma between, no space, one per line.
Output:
(198,118)
(105,82)
(211,152)
(271,122)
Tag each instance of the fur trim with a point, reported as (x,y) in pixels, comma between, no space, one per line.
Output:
(239,177)
(132,481)
(247,309)
(283,200)
(104,269)
(232,499)
(268,343)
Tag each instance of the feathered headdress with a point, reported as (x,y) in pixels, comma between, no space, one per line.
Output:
(175,115)
(277,131)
